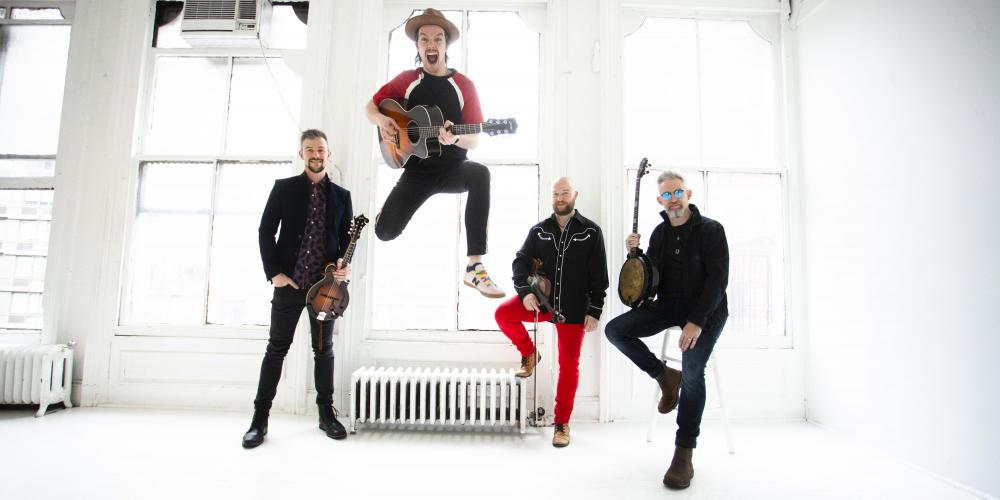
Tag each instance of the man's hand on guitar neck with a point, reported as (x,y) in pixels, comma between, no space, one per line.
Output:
(447,138)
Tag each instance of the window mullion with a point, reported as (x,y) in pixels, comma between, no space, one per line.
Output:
(465,42)
(698,81)
(229,100)
(211,233)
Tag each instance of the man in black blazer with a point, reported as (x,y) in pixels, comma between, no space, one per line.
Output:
(314,215)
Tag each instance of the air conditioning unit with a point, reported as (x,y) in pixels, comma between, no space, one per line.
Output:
(226,23)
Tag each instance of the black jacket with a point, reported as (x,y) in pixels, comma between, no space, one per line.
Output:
(573,259)
(706,260)
(287,205)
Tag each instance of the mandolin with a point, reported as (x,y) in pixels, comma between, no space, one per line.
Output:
(327,299)
(639,278)
(419,127)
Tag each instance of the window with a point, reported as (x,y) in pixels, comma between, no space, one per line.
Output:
(417,281)
(220,126)
(708,108)
(34,45)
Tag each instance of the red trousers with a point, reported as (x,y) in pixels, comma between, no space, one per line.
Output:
(511,316)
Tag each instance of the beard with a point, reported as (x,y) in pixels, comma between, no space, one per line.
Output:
(568,209)
(677,213)
(316,167)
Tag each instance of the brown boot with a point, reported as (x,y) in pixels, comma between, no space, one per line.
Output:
(670,386)
(560,438)
(681,470)
(528,365)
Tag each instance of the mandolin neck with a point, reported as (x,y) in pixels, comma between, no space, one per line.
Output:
(349,254)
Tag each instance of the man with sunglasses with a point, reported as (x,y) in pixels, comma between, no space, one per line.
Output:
(692,256)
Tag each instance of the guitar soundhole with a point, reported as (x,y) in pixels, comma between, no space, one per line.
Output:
(413,132)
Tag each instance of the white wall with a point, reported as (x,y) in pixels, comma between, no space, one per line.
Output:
(901,149)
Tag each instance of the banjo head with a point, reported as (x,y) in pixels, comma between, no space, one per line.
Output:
(632,281)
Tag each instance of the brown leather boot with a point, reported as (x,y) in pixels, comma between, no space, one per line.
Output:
(681,470)
(528,365)
(560,438)
(670,386)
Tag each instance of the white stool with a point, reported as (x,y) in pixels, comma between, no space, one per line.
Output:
(713,360)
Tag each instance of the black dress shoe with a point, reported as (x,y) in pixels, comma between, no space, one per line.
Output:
(329,423)
(258,429)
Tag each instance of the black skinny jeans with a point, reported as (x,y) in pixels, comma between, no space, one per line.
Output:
(286,307)
(415,187)
(626,330)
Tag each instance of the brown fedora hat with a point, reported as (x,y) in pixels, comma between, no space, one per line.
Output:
(435,17)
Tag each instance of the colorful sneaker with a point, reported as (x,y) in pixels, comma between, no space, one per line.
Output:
(478,278)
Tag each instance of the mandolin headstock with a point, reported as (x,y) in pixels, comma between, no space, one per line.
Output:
(357,224)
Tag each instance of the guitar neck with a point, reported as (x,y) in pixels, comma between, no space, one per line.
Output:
(467,129)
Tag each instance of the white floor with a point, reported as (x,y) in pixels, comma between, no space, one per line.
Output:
(85,453)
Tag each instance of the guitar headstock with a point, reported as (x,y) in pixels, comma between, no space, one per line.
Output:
(357,224)
(495,126)
(643,169)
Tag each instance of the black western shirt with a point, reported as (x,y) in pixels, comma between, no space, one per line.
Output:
(573,258)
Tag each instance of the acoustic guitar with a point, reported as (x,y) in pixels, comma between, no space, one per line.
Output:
(327,300)
(639,279)
(419,127)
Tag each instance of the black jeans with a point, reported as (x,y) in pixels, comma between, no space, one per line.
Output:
(626,330)
(415,187)
(286,307)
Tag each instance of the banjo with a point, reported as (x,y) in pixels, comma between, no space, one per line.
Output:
(639,278)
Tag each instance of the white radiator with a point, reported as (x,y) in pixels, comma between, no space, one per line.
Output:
(36,375)
(448,397)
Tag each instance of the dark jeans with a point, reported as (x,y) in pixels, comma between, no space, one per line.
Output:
(626,330)
(286,307)
(415,187)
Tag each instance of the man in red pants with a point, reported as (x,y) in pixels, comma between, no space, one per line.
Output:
(571,248)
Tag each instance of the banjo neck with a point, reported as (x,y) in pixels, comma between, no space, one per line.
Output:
(635,210)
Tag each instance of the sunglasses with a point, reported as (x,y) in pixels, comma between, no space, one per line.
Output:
(676,194)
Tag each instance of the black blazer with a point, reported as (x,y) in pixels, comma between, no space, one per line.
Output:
(287,205)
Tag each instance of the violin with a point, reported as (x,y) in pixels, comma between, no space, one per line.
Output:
(327,299)
(541,286)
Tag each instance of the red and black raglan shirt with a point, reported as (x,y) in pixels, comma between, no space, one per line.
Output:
(454,94)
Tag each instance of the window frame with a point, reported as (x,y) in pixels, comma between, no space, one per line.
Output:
(34,183)
(394,16)
(635,15)
(139,158)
